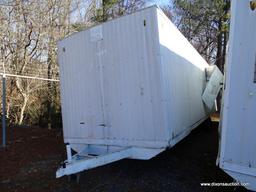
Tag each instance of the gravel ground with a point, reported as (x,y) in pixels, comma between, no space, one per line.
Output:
(33,155)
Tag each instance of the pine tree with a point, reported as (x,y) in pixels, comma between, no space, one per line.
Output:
(206,25)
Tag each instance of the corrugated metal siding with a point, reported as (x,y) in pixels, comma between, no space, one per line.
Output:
(132,99)
(183,78)
(238,144)
(81,106)
(125,62)
(126,80)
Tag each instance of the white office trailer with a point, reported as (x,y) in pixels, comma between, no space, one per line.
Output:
(130,88)
(238,143)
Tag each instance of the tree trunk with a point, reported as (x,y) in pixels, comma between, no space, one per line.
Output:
(225,39)
(225,34)
(219,46)
(219,58)
(25,101)
(24,105)
(104,10)
(50,95)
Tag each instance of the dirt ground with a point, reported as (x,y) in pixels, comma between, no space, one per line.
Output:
(29,163)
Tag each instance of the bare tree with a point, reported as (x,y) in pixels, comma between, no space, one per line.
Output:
(29,31)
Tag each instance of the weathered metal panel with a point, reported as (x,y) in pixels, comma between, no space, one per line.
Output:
(214,84)
(132,81)
(238,144)
(183,78)
(131,78)
(110,80)
(80,98)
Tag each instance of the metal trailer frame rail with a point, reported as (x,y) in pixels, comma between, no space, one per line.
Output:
(84,161)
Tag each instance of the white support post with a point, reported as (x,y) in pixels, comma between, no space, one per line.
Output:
(69,153)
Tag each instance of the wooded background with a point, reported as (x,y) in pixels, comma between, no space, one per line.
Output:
(30,29)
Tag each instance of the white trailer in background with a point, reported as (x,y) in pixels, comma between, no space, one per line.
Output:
(130,88)
(238,127)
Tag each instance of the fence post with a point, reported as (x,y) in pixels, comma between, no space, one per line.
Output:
(3,111)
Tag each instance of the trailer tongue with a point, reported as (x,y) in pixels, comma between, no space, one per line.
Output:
(83,161)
